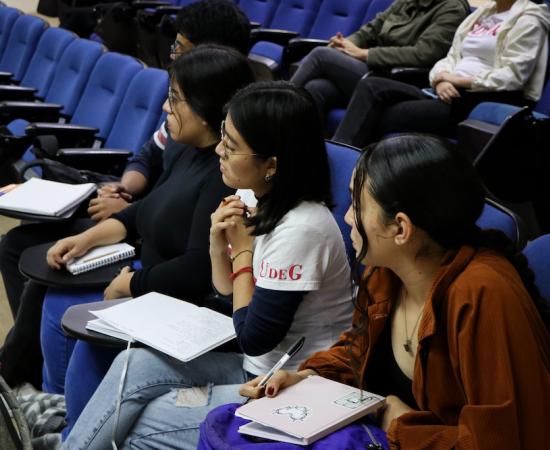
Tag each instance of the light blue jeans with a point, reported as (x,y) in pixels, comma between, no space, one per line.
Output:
(163,401)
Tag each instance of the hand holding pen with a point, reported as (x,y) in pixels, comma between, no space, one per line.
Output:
(254,388)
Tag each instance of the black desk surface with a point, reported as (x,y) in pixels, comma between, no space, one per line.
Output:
(33,265)
(76,317)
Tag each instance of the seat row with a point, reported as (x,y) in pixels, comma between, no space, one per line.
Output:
(74,89)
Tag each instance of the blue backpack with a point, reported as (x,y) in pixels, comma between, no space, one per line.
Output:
(219,431)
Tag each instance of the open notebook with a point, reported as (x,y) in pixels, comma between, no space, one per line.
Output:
(46,198)
(175,327)
(307,411)
(99,257)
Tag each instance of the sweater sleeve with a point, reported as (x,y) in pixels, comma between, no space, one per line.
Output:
(432,44)
(186,275)
(128,217)
(506,388)
(263,324)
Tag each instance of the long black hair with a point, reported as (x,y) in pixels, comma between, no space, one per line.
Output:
(208,76)
(278,119)
(439,189)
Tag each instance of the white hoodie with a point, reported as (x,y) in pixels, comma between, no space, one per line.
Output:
(521,50)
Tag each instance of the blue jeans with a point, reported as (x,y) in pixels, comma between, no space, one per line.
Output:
(163,401)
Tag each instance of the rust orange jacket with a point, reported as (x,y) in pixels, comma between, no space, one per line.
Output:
(482,370)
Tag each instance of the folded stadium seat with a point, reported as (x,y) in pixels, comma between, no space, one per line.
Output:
(335,116)
(96,109)
(537,253)
(8,16)
(70,77)
(41,69)
(23,38)
(137,119)
(292,18)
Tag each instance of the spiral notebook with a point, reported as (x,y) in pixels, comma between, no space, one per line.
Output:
(100,256)
(307,411)
(46,198)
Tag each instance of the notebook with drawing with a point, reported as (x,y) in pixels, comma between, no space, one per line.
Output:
(175,327)
(99,257)
(46,198)
(307,411)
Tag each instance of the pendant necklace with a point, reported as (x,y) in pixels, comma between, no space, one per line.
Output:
(408,339)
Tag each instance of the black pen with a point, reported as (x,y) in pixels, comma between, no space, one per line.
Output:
(289,354)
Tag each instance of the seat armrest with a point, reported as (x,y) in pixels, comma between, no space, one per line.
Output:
(10,92)
(473,136)
(30,111)
(103,160)
(281,37)
(300,47)
(66,134)
(417,76)
(254,25)
(144,4)
(6,77)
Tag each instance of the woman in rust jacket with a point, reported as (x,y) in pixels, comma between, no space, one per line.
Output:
(448,323)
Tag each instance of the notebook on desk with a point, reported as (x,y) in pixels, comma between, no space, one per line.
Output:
(175,327)
(46,198)
(100,256)
(307,411)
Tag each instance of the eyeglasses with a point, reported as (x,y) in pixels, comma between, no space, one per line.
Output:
(227,152)
(177,48)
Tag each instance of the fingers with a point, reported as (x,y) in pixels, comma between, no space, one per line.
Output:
(276,383)
(251,389)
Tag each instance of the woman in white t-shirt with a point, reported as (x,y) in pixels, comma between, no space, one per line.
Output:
(284,262)
(499,53)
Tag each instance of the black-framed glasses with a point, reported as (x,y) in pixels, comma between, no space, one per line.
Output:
(227,152)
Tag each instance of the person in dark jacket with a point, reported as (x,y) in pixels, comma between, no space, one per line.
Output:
(412,33)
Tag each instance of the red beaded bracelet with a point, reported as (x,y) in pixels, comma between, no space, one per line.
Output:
(246,269)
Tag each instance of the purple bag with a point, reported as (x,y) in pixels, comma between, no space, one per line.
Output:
(219,431)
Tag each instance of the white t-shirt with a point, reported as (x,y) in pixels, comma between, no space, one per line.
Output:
(478,48)
(305,252)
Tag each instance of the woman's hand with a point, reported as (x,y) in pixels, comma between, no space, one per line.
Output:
(280,380)
(340,43)
(103,207)
(393,409)
(66,249)
(114,190)
(238,234)
(120,285)
(446,91)
(229,207)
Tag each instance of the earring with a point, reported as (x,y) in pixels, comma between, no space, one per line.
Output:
(268,178)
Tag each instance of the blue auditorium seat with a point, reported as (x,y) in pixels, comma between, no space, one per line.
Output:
(23,38)
(260,11)
(8,16)
(496,216)
(537,253)
(342,159)
(41,69)
(291,15)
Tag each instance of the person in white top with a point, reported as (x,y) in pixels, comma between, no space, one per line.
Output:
(283,261)
(499,53)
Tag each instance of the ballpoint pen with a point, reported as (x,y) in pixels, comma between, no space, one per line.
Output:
(289,354)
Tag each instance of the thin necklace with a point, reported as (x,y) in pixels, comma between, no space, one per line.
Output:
(408,339)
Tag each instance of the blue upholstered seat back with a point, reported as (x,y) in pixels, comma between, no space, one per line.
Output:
(41,70)
(8,16)
(538,255)
(336,15)
(72,73)
(140,111)
(260,11)
(24,36)
(342,160)
(104,92)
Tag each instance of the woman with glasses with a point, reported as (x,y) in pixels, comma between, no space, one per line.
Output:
(172,221)
(286,269)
